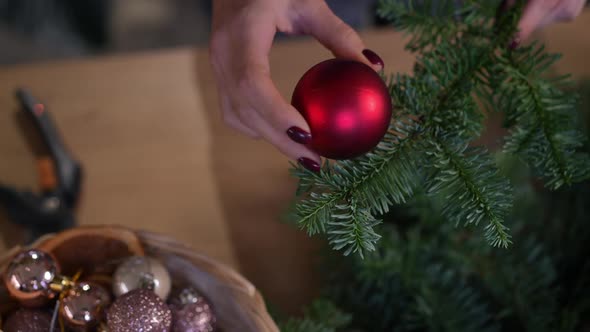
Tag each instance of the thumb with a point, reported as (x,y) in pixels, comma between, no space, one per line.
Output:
(337,36)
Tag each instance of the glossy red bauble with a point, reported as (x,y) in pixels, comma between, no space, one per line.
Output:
(347,106)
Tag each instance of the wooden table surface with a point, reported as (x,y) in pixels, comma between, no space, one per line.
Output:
(158,157)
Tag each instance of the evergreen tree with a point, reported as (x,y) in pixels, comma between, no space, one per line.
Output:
(425,275)
(464,68)
(416,270)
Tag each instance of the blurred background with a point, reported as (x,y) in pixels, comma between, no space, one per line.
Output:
(36,30)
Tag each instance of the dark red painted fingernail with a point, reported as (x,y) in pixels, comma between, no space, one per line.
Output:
(373,58)
(514,43)
(299,135)
(309,164)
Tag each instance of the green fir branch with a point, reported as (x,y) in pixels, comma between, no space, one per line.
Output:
(406,284)
(321,316)
(523,281)
(543,115)
(313,212)
(376,288)
(387,174)
(454,69)
(373,183)
(351,229)
(473,189)
(305,325)
(429,22)
(445,302)
(425,278)
(426,22)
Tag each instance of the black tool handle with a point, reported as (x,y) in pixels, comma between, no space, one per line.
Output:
(67,168)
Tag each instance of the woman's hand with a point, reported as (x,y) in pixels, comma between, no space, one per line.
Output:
(539,13)
(242,35)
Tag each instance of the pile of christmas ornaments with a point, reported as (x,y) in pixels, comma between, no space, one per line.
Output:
(138,296)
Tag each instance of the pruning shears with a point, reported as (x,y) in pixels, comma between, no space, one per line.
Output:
(50,209)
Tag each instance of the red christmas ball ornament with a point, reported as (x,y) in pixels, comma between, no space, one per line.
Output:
(347,106)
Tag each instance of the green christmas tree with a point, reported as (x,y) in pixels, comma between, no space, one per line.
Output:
(428,277)
(416,270)
(464,69)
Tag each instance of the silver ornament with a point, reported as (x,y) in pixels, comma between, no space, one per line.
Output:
(142,272)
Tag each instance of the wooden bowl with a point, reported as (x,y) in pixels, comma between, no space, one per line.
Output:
(97,249)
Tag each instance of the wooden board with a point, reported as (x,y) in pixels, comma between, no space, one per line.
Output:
(135,124)
(158,157)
